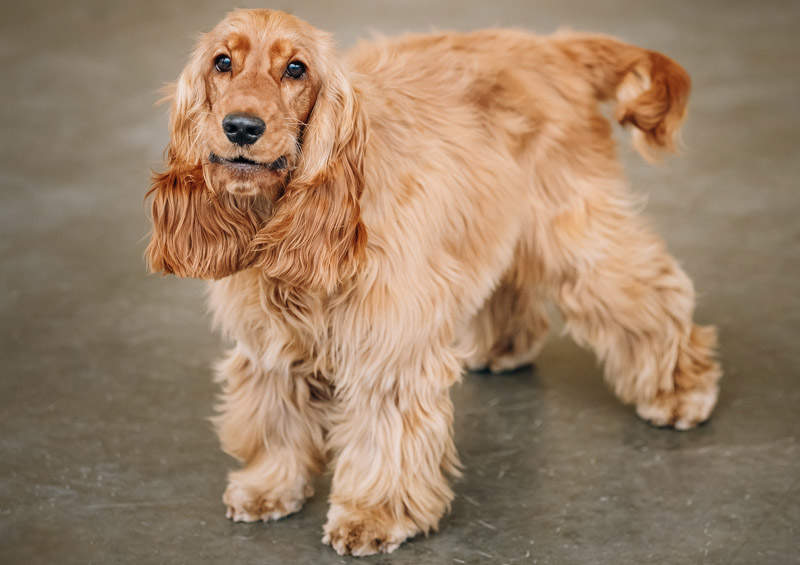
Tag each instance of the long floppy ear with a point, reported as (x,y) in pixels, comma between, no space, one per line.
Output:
(196,232)
(189,104)
(315,238)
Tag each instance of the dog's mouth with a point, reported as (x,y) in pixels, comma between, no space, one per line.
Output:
(243,164)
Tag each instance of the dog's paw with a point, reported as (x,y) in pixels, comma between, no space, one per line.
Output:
(507,360)
(501,363)
(512,362)
(249,503)
(681,410)
(364,533)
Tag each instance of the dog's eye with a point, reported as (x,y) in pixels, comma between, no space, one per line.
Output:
(295,69)
(222,63)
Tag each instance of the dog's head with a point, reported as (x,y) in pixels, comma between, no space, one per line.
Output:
(265,158)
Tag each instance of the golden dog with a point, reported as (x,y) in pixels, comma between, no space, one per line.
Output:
(377,222)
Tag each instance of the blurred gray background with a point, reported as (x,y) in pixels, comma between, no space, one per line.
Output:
(106,454)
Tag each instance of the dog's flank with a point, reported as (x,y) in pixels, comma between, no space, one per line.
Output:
(423,199)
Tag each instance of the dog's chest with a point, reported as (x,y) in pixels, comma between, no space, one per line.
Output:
(280,324)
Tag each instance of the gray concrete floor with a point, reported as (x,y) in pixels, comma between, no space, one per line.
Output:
(106,454)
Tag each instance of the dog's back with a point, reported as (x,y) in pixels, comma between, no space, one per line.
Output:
(526,80)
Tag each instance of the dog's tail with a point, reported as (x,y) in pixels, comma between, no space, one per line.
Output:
(651,89)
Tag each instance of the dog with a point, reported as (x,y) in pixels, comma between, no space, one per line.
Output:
(375,223)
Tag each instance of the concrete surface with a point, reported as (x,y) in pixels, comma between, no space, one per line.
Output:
(106,454)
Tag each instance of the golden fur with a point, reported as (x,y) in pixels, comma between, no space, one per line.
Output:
(438,189)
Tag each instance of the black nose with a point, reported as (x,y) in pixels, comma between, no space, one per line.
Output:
(243,129)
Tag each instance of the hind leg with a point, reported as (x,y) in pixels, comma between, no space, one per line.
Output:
(508,331)
(622,294)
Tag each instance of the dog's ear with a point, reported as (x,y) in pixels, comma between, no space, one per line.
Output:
(189,103)
(196,232)
(316,237)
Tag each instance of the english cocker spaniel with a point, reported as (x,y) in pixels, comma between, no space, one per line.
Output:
(374,223)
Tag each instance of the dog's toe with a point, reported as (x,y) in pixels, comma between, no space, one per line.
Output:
(364,533)
(681,410)
(246,504)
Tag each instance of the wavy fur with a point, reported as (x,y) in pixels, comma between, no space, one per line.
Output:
(438,189)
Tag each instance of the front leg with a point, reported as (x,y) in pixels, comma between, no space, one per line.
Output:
(273,422)
(394,443)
